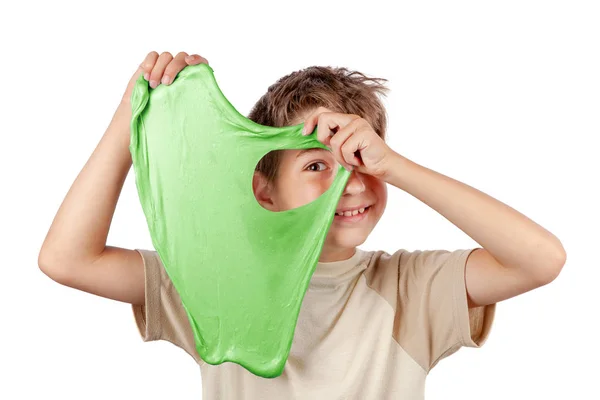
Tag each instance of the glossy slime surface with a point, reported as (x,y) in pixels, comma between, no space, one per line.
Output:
(241,270)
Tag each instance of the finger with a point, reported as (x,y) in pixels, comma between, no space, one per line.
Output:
(148,63)
(327,126)
(311,120)
(336,143)
(350,149)
(355,143)
(195,59)
(159,68)
(330,123)
(173,68)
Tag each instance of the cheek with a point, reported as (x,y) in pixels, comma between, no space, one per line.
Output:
(305,193)
(294,193)
(383,193)
(379,189)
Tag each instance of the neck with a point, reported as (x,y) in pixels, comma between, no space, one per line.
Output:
(336,254)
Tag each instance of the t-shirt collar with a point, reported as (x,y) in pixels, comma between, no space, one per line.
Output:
(337,269)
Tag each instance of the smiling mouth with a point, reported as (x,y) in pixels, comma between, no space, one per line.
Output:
(351,213)
(355,216)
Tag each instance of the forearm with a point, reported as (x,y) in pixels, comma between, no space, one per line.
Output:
(512,238)
(79,230)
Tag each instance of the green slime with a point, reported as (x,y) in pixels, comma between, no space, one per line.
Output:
(242,271)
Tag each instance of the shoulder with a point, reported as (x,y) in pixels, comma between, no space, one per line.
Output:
(381,273)
(403,258)
(402,268)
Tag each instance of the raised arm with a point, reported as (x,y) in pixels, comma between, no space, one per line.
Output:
(74,252)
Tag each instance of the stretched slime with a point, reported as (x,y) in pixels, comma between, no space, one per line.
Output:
(241,271)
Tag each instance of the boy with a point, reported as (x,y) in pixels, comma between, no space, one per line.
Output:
(372,325)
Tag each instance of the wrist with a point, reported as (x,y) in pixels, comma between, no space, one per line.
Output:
(396,166)
(120,123)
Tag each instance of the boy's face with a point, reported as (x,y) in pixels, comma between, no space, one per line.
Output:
(303,176)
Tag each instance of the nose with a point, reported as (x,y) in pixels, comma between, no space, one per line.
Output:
(355,183)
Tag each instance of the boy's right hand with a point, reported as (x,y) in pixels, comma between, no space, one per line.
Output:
(161,68)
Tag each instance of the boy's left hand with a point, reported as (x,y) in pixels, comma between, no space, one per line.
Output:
(352,140)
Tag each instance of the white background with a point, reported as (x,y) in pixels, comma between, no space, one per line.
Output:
(503,96)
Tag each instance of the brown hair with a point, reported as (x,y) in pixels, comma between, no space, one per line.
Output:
(338,89)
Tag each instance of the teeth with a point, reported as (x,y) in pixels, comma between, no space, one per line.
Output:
(351,213)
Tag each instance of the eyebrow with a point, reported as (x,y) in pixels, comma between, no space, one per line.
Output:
(311,150)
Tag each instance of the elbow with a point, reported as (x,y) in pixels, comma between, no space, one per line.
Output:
(45,264)
(552,269)
(52,267)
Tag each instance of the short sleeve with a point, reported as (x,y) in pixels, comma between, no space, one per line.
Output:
(163,317)
(433,301)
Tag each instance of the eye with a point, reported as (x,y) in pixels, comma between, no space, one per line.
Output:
(317,163)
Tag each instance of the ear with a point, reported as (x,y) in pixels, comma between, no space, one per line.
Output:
(263,191)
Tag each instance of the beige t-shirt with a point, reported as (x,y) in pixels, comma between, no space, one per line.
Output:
(370,327)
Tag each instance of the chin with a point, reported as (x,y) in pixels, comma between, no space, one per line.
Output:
(347,240)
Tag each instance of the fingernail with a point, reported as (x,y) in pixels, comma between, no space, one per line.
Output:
(166,79)
(153,84)
(146,76)
(304,130)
